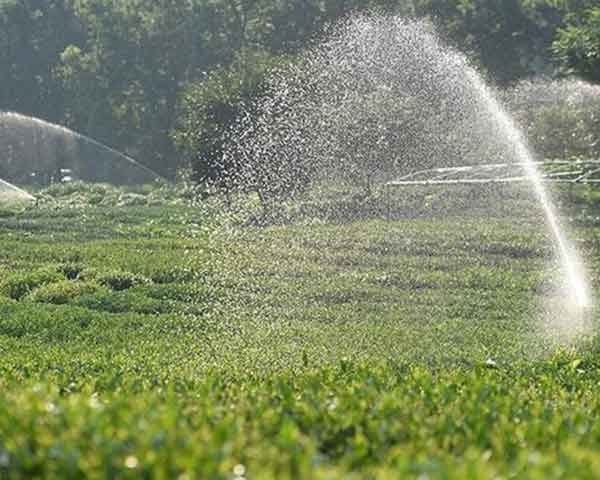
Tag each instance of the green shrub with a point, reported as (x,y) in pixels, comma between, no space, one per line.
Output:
(173,275)
(209,110)
(563,131)
(69,188)
(114,279)
(70,270)
(64,291)
(6,301)
(576,45)
(20,284)
(122,302)
(132,200)
(560,117)
(6,212)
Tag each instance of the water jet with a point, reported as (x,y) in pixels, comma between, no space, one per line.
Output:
(35,151)
(10,193)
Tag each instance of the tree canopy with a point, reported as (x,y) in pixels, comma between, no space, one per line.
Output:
(136,74)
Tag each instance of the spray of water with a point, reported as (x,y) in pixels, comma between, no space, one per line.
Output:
(572,265)
(31,145)
(539,92)
(379,98)
(559,116)
(11,193)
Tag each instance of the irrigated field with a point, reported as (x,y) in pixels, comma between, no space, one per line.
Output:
(143,337)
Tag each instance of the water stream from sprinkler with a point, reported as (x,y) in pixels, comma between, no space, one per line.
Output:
(27,126)
(572,265)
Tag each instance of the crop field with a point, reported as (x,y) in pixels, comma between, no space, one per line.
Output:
(143,336)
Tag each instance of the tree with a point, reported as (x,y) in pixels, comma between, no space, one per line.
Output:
(117,70)
(209,110)
(125,77)
(32,34)
(510,39)
(577,46)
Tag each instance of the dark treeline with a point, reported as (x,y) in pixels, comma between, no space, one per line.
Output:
(157,78)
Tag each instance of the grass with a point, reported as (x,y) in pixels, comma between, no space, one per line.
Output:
(142,336)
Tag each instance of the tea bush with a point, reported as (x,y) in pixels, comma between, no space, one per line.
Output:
(113,279)
(63,291)
(173,341)
(19,284)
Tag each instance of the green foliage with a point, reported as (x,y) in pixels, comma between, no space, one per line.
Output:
(132,72)
(32,35)
(509,39)
(58,190)
(19,284)
(560,117)
(63,292)
(78,194)
(345,421)
(324,348)
(128,72)
(578,45)
(515,39)
(564,131)
(113,279)
(209,110)
(122,302)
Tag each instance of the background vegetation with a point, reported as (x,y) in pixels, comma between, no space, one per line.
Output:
(149,76)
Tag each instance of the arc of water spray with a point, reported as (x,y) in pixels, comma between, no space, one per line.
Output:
(42,123)
(122,155)
(17,190)
(568,255)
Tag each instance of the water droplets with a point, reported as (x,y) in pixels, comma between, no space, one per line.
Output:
(381,97)
(239,472)
(131,462)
